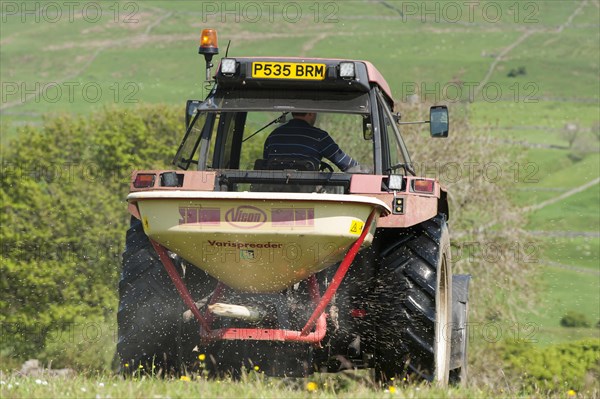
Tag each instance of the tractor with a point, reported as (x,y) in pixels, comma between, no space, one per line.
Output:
(290,265)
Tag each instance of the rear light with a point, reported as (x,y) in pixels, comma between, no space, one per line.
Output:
(144,180)
(358,313)
(423,186)
(398,206)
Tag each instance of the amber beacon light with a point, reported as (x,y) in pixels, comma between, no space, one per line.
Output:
(208,48)
(208,42)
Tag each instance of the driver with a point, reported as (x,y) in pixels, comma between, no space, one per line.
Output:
(299,138)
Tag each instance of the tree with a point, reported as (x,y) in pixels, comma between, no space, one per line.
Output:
(570,133)
(63,217)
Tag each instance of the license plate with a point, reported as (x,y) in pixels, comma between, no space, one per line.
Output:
(288,70)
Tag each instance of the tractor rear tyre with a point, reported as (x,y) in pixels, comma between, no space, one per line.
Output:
(415,305)
(152,335)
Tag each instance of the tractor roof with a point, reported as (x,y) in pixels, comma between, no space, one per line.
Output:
(300,73)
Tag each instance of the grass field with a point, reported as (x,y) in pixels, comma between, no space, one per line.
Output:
(81,67)
(580,251)
(323,386)
(566,294)
(121,58)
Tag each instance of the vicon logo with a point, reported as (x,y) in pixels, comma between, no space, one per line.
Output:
(245,217)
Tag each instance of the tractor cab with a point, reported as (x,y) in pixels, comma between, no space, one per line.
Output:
(253,96)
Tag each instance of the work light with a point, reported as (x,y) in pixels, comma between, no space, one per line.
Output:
(347,70)
(228,66)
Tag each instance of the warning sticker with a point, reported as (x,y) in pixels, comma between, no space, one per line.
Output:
(356,227)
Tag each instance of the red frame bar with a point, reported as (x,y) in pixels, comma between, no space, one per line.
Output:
(267,334)
(339,275)
(318,316)
(179,284)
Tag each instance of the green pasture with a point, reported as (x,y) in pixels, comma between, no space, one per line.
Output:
(571,175)
(552,335)
(580,251)
(528,135)
(562,291)
(577,213)
(570,74)
(547,173)
(537,113)
(127,60)
(532,195)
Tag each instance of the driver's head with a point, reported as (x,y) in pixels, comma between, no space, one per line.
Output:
(309,117)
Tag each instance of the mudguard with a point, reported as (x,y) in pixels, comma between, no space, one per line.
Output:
(460,308)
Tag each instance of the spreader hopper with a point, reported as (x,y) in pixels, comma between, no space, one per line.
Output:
(257,242)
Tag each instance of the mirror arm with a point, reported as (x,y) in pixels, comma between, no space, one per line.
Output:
(412,123)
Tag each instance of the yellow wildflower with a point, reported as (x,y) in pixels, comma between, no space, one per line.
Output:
(202,357)
(311,386)
(392,389)
(184,378)
(256,368)
(571,393)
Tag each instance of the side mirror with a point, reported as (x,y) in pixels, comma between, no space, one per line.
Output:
(190,111)
(367,128)
(438,121)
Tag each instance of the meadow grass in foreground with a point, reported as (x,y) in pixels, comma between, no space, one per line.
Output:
(252,385)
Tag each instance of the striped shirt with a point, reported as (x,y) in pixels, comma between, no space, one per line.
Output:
(298,139)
